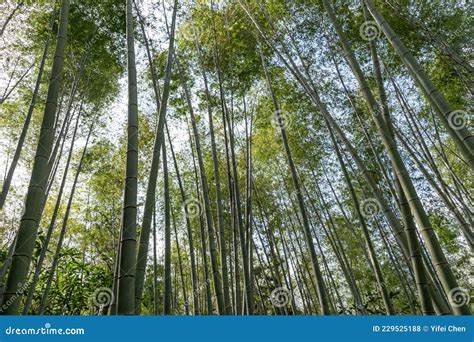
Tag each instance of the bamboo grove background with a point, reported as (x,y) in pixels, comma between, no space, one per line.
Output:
(245,157)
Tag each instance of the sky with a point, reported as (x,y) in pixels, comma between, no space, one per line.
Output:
(114,115)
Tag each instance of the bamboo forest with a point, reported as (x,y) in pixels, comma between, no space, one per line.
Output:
(236,157)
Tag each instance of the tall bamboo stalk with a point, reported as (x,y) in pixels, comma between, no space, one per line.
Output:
(28,230)
(322,293)
(151,188)
(463,139)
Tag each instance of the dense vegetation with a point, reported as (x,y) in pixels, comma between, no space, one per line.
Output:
(236,157)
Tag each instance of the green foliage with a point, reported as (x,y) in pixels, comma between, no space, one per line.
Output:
(222,41)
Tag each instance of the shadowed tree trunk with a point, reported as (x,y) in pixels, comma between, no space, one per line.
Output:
(28,230)
(180,266)
(26,125)
(128,257)
(442,267)
(463,139)
(368,241)
(52,271)
(168,291)
(321,287)
(416,257)
(314,96)
(205,194)
(192,254)
(45,246)
(196,205)
(151,188)
(10,17)
(220,218)
(155,267)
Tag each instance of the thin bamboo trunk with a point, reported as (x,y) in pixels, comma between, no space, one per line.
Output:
(180,266)
(168,290)
(9,91)
(416,257)
(463,139)
(49,233)
(220,216)
(248,203)
(207,281)
(230,145)
(28,230)
(442,267)
(321,288)
(151,187)
(44,299)
(113,304)
(444,47)
(194,280)
(26,125)
(6,266)
(205,194)
(10,17)
(128,257)
(155,267)
(368,240)
(314,96)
